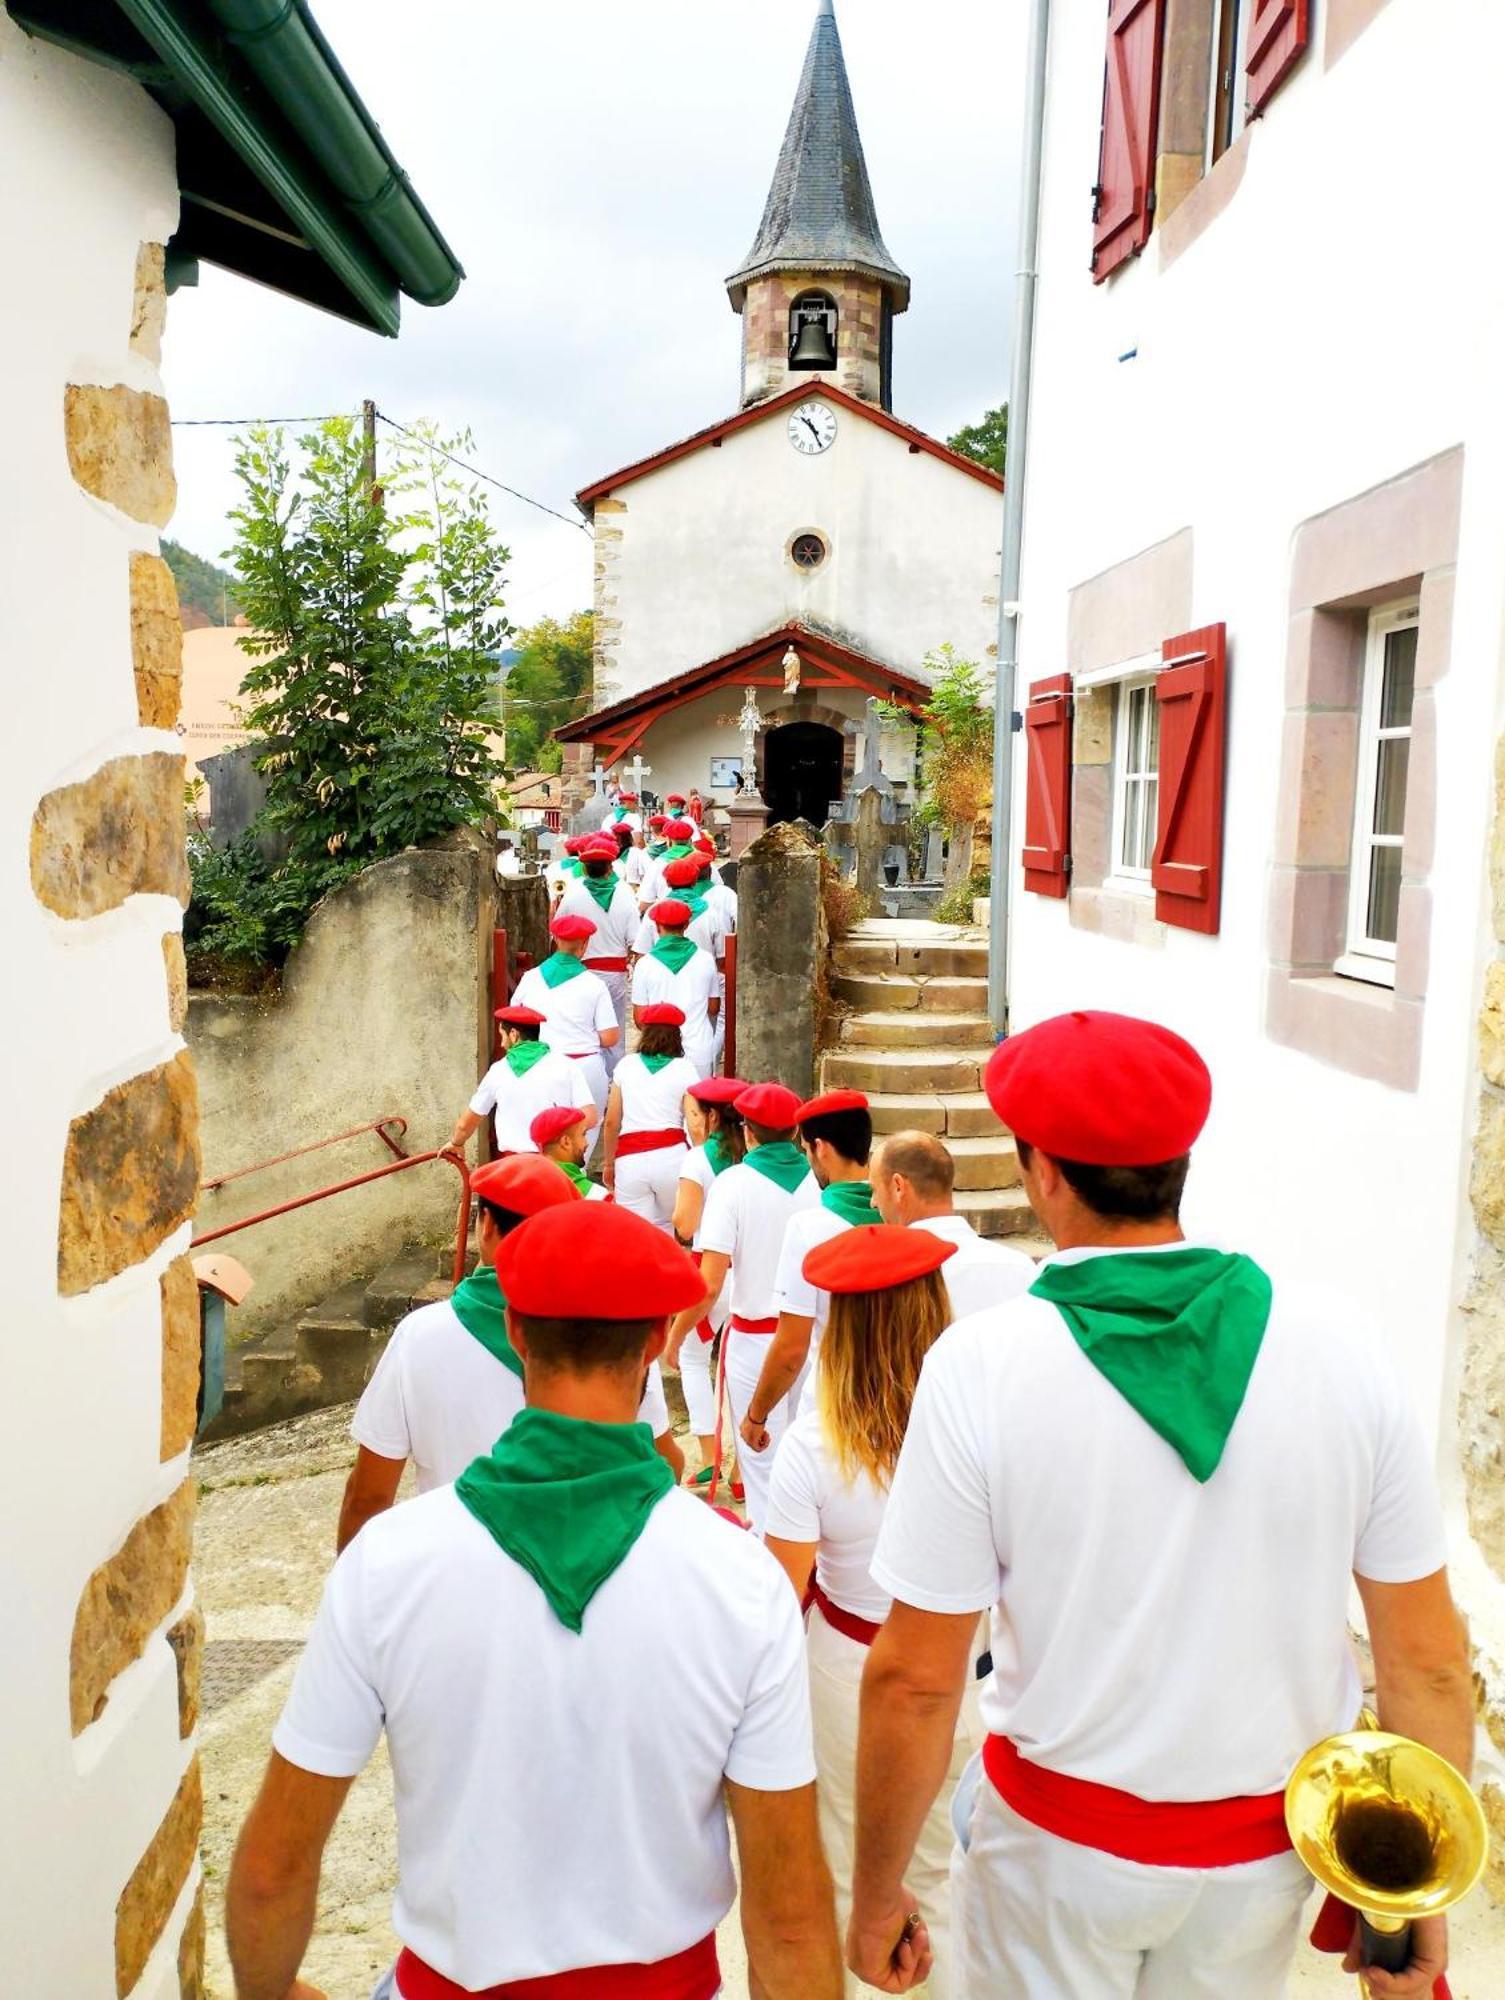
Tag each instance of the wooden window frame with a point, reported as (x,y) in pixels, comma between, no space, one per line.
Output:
(1123,877)
(1370,958)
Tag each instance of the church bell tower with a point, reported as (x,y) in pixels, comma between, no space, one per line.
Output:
(818,292)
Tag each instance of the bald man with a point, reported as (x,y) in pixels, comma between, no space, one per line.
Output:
(913,1178)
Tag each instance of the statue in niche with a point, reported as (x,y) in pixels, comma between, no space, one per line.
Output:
(792,665)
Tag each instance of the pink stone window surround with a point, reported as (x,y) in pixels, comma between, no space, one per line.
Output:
(1398,540)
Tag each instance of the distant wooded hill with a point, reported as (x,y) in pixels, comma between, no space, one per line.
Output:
(206,593)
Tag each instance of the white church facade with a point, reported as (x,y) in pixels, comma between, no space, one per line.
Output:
(812,521)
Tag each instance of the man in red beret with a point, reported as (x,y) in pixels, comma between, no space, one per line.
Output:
(560,1134)
(747,1209)
(528,1077)
(603,899)
(678,973)
(836,1134)
(1162,1472)
(510,1635)
(579,1019)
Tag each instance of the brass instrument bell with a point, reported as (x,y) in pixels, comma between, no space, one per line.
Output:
(1391,1829)
(812,348)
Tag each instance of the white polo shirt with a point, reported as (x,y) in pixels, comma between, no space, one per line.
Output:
(514,1101)
(1177,1640)
(438,1397)
(792,1290)
(541,1824)
(692,988)
(745,1217)
(708,930)
(653,1100)
(575,1012)
(616,927)
(981,1274)
(809,1500)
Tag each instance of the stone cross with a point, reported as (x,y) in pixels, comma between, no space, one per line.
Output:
(598,777)
(635,772)
(869,773)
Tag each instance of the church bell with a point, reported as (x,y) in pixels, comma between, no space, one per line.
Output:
(813,348)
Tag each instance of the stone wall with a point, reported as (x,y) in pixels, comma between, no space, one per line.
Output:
(100,1339)
(860,313)
(383,1010)
(780,958)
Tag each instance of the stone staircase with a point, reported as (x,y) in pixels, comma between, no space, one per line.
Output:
(327,1354)
(916,1040)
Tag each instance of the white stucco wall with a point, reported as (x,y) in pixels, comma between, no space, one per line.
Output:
(702,565)
(1332,327)
(89,176)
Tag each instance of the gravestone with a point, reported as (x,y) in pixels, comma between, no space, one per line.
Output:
(871,839)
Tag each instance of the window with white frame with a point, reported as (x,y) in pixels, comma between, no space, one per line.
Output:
(1136,780)
(1226,96)
(1374,875)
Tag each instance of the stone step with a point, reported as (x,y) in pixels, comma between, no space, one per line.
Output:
(410,1281)
(984,1163)
(895,992)
(917,1029)
(966,1114)
(903,1071)
(336,1339)
(996,1212)
(939,957)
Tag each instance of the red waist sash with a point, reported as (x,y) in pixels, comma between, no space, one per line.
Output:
(606,965)
(705,1330)
(1211,1833)
(741,1325)
(863,1630)
(581,1055)
(649,1142)
(689,1975)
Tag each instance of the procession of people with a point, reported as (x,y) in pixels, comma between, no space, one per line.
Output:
(997,1601)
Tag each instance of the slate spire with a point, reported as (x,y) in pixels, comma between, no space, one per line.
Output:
(820,214)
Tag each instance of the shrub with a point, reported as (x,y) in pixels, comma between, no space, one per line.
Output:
(956,908)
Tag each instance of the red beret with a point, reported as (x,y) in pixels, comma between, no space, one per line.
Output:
(661,1015)
(770,1105)
(658,819)
(554,1123)
(569,928)
(575,842)
(670,915)
(1106,1090)
(832,1100)
(522,1017)
(523,1184)
(705,845)
(677,830)
(874,1256)
(717,1090)
(611,1265)
(603,844)
(627,798)
(681,873)
(674,798)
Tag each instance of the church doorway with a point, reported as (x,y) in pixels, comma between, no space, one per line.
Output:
(801,772)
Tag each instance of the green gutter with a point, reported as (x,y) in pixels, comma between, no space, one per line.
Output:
(281,43)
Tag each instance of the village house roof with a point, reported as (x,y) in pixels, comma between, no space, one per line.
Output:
(284,173)
(713,434)
(820,214)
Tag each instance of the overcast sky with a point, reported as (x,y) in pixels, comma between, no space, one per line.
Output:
(599,166)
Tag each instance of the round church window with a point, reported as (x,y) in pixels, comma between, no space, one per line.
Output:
(807,551)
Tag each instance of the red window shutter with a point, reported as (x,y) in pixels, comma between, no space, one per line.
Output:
(1186,870)
(1047,795)
(1124,198)
(1278,32)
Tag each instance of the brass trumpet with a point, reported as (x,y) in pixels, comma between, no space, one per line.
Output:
(1391,1829)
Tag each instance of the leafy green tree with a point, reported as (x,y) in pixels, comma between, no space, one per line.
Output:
(956,755)
(374,630)
(549,683)
(986,441)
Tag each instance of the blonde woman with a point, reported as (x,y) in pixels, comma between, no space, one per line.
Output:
(830,1485)
(716,1143)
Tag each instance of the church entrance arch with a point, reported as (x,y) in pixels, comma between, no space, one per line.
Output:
(802,765)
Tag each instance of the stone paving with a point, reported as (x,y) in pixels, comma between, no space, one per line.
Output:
(265,1540)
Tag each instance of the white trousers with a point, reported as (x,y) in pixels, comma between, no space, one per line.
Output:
(698,1378)
(654,1408)
(836,1664)
(616,985)
(648,1184)
(744,1364)
(1040,1918)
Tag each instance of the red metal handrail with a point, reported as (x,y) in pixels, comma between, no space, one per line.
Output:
(462,1228)
(376,1125)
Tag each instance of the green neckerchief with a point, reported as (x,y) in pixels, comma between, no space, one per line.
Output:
(573,865)
(618,814)
(566,1500)
(653,1064)
(601,892)
(693,900)
(716,1152)
(1177,1333)
(781,1162)
(654,849)
(560,967)
(680,851)
(579,1176)
(482,1311)
(851,1200)
(675,952)
(522,1056)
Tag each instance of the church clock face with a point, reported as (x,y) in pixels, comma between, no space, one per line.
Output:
(812,428)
